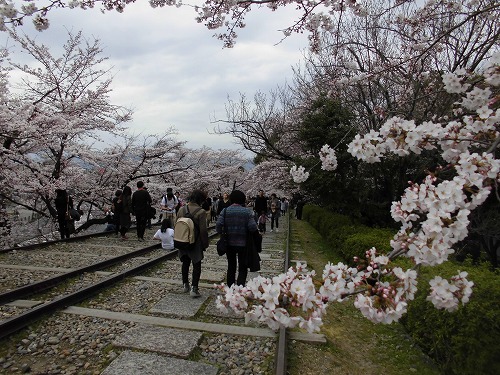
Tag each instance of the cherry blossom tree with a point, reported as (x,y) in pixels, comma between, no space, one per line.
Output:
(49,124)
(59,130)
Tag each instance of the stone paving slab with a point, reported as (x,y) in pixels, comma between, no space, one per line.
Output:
(179,304)
(214,311)
(173,323)
(36,268)
(176,342)
(224,267)
(24,303)
(133,363)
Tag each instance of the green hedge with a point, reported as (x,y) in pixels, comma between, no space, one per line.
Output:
(358,243)
(465,341)
(347,236)
(462,342)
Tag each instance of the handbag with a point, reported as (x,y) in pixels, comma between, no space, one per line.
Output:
(70,226)
(254,247)
(71,213)
(222,242)
(74,214)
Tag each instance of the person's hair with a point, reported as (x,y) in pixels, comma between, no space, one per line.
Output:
(165,224)
(127,190)
(140,184)
(118,193)
(61,193)
(262,213)
(197,196)
(238,197)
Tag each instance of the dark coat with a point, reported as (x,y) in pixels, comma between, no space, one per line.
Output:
(254,247)
(141,200)
(260,205)
(221,205)
(125,209)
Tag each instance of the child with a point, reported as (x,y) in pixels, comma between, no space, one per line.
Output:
(262,222)
(165,234)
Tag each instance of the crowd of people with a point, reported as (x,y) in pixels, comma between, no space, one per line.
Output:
(244,222)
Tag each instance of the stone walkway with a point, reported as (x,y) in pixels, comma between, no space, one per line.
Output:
(159,346)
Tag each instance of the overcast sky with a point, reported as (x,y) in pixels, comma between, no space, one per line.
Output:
(170,69)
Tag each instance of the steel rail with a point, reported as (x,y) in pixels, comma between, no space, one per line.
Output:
(41,245)
(36,287)
(16,323)
(281,350)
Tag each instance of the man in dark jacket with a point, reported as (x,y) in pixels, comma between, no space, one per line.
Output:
(141,201)
(260,204)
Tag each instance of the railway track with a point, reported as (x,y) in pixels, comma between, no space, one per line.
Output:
(122,299)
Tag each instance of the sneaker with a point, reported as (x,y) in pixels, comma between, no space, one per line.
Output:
(276,229)
(271,231)
(185,288)
(124,238)
(195,293)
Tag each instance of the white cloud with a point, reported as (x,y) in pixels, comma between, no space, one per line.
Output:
(170,69)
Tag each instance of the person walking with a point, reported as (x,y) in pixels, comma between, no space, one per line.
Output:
(124,205)
(180,201)
(207,206)
(275,214)
(141,201)
(195,256)
(223,203)
(169,203)
(165,234)
(283,206)
(239,223)
(116,212)
(260,204)
(63,203)
(299,208)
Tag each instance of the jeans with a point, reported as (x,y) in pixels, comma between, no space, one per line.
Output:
(273,219)
(240,253)
(186,263)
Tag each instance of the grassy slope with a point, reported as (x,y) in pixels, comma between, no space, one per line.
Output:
(354,344)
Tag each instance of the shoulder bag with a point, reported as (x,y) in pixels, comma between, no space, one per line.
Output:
(222,242)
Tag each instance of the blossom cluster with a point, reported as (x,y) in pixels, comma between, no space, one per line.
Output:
(299,174)
(328,158)
(382,293)
(445,295)
(264,300)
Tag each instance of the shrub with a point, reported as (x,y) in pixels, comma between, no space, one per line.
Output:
(358,243)
(462,342)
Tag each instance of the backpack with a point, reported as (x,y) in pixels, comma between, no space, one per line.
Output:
(185,231)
